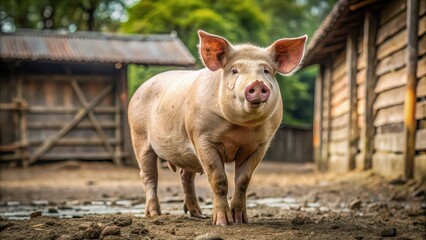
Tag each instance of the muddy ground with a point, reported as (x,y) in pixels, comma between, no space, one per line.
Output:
(286,201)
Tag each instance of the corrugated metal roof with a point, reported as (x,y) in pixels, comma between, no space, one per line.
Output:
(94,47)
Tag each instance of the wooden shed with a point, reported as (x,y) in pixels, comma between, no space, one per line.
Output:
(64,96)
(370,99)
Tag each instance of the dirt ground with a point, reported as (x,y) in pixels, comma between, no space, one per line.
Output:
(285,201)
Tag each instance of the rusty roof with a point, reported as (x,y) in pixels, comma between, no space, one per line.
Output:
(94,47)
(331,36)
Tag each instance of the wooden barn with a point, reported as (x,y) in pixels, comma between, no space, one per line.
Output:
(64,96)
(370,103)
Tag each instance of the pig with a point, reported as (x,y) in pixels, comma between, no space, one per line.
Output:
(198,120)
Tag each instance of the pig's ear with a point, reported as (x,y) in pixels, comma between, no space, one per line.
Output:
(288,53)
(213,50)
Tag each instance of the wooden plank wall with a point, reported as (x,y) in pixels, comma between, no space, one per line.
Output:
(339,115)
(390,90)
(420,146)
(388,94)
(391,72)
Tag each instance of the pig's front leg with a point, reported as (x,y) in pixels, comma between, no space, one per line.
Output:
(243,172)
(215,171)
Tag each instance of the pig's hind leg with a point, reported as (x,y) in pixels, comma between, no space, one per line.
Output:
(190,202)
(147,160)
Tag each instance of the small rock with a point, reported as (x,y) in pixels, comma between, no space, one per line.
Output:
(35,214)
(123,221)
(110,230)
(105,195)
(84,226)
(92,232)
(298,221)
(209,236)
(355,204)
(388,232)
(140,231)
(200,199)
(158,222)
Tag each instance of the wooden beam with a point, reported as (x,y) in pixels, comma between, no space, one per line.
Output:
(61,109)
(325,142)
(23,131)
(410,90)
(369,45)
(69,125)
(59,124)
(332,48)
(317,126)
(351,62)
(127,148)
(362,4)
(117,119)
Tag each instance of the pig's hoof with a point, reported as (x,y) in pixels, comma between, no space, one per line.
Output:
(239,216)
(223,218)
(196,212)
(152,209)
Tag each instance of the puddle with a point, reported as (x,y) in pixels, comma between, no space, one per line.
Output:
(77,209)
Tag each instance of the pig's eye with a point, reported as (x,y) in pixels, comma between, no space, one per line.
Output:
(234,71)
(266,71)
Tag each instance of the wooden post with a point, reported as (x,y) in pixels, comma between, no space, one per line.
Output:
(117,116)
(369,46)
(325,142)
(317,127)
(23,131)
(125,130)
(410,90)
(351,61)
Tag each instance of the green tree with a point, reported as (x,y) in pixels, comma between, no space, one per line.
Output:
(71,15)
(241,20)
(257,21)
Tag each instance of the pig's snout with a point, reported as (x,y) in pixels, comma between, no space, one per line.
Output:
(257,92)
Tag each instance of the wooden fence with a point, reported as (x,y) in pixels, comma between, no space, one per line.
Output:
(291,144)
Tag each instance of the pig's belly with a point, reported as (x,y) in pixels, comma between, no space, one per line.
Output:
(179,152)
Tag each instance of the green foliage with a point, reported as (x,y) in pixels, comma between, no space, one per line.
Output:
(241,20)
(257,21)
(71,15)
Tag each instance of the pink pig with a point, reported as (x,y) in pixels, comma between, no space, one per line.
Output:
(200,120)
